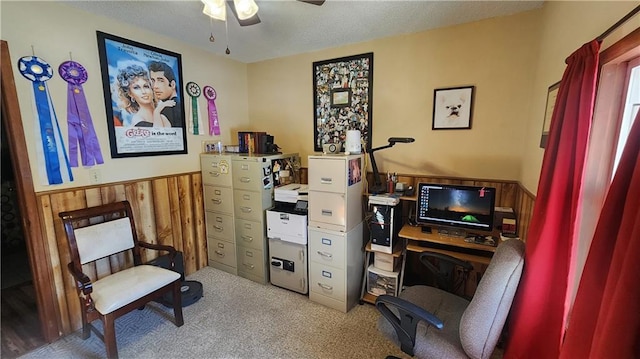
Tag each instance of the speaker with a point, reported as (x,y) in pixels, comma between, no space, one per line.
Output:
(331,148)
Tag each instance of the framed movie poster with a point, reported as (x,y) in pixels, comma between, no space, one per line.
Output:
(343,99)
(143,98)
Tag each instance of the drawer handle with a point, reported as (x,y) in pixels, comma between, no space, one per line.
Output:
(214,174)
(218,228)
(326,180)
(221,254)
(245,179)
(250,266)
(245,209)
(247,238)
(216,200)
(325,286)
(327,212)
(325,254)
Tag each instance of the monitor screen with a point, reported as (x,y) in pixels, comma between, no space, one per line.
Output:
(468,207)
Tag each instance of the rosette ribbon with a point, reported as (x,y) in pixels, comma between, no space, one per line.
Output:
(193,90)
(80,126)
(51,149)
(214,125)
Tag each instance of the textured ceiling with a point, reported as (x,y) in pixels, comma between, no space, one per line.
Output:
(292,27)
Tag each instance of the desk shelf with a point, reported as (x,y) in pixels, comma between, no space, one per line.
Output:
(399,251)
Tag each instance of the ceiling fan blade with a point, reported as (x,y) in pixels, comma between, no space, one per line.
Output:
(314,2)
(247,22)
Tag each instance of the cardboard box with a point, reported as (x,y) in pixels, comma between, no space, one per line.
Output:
(381,282)
(385,261)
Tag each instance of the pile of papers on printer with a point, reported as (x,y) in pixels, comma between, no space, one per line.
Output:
(292,193)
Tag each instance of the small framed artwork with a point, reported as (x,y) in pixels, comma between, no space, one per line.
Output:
(452,108)
(552,94)
(143,98)
(341,98)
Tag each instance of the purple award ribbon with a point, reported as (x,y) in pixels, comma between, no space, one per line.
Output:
(81,131)
(214,125)
(52,151)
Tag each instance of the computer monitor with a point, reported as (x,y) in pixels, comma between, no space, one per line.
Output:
(446,205)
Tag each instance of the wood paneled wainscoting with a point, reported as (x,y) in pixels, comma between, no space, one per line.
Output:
(167,210)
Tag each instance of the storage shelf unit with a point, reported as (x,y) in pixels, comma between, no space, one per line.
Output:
(238,189)
(335,230)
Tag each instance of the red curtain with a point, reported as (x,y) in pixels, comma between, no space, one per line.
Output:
(538,314)
(605,322)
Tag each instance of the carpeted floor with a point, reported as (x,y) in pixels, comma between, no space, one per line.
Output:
(238,318)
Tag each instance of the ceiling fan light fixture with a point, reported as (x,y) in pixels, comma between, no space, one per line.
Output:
(215,8)
(245,8)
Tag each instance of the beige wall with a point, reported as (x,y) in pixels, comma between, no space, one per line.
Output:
(566,25)
(496,56)
(55,30)
(511,61)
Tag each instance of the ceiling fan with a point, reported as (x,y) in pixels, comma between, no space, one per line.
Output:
(246,11)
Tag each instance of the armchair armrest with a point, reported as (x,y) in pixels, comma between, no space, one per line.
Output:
(158,247)
(406,323)
(84,284)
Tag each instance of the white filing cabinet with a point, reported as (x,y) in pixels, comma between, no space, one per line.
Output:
(238,188)
(336,254)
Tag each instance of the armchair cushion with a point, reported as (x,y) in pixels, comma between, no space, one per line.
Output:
(119,289)
(430,341)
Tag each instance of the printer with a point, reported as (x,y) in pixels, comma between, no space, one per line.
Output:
(287,233)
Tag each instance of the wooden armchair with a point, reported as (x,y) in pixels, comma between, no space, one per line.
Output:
(98,232)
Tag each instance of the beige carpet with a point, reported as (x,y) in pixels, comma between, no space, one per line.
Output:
(238,318)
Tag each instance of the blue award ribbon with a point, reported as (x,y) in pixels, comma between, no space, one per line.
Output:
(38,71)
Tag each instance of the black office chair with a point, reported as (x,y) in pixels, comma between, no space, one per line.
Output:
(449,273)
(430,323)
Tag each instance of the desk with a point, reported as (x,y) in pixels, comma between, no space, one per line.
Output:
(453,246)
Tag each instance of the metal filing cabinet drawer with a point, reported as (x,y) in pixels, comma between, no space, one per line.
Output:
(222,251)
(216,170)
(250,234)
(248,175)
(218,199)
(327,248)
(220,226)
(248,205)
(251,261)
(327,208)
(327,280)
(327,175)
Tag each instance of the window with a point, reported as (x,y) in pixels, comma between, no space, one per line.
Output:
(630,110)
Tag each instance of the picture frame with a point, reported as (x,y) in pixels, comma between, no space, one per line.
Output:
(552,94)
(342,99)
(143,95)
(453,108)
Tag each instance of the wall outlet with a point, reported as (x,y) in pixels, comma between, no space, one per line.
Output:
(94,176)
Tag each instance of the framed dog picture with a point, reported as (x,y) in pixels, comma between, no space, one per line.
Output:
(452,108)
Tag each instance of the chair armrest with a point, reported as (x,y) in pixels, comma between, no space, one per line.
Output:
(84,284)
(158,247)
(406,323)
